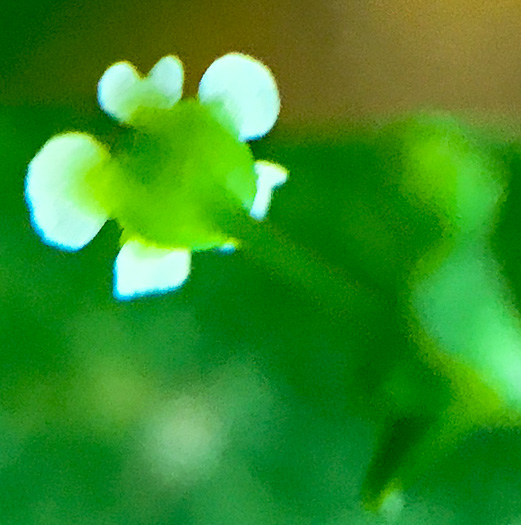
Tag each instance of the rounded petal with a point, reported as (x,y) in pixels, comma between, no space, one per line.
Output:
(269,176)
(116,90)
(122,91)
(167,76)
(248,91)
(143,270)
(63,210)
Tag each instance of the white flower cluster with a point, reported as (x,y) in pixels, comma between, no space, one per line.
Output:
(68,184)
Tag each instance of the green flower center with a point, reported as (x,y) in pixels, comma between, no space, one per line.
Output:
(178,177)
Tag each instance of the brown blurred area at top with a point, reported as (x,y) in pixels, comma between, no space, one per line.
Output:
(331,58)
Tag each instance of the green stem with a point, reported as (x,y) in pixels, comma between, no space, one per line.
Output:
(339,294)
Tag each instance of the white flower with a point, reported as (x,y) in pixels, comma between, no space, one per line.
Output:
(173,182)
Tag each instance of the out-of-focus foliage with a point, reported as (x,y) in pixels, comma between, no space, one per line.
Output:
(257,395)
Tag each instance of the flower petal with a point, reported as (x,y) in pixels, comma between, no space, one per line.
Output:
(121,90)
(248,91)
(63,211)
(269,176)
(167,77)
(142,270)
(116,89)
(228,247)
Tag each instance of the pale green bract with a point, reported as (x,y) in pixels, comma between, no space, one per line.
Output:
(177,178)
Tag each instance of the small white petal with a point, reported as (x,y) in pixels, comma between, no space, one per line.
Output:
(142,270)
(269,176)
(116,90)
(62,210)
(248,91)
(228,247)
(121,90)
(167,77)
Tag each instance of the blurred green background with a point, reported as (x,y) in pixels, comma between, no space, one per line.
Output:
(251,396)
